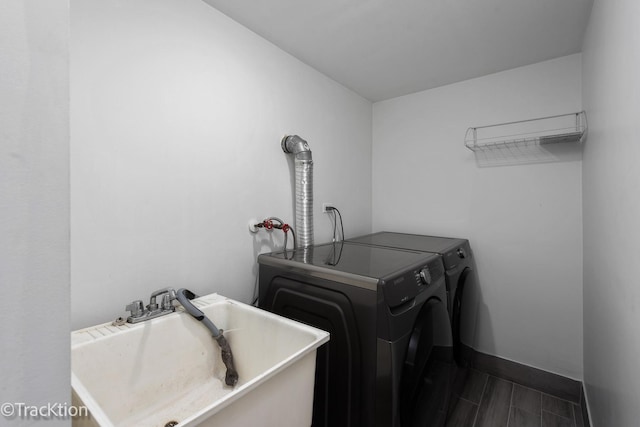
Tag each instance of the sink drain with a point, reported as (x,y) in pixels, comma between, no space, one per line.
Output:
(171,424)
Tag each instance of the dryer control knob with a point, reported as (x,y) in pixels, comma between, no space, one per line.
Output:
(461,253)
(425,276)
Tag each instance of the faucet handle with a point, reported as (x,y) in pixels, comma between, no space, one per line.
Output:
(166,302)
(168,295)
(136,308)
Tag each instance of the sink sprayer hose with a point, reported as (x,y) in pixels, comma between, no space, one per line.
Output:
(184,296)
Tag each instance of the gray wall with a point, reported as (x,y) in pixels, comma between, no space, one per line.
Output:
(34,205)
(611,200)
(177,114)
(524,221)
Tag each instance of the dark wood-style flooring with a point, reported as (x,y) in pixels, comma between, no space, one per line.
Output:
(488,401)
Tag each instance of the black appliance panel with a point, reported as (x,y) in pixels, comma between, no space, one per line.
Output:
(453,250)
(368,261)
(345,366)
(398,271)
(336,401)
(457,258)
(361,373)
(458,262)
(427,372)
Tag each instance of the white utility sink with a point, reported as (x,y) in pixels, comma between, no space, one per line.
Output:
(170,369)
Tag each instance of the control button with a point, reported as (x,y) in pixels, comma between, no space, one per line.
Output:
(425,276)
(461,253)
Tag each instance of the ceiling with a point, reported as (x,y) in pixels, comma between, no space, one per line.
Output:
(384,48)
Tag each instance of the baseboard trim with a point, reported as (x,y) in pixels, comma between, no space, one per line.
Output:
(547,382)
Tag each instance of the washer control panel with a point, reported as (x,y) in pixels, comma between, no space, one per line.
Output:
(408,285)
(424,276)
(458,254)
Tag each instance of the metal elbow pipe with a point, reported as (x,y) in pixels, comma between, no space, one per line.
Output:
(293,144)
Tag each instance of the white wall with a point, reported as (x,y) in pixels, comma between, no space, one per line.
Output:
(611,200)
(34,206)
(177,115)
(523,221)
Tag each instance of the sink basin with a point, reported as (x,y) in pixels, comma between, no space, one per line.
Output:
(170,369)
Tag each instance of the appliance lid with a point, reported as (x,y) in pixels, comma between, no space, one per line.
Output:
(359,260)
(412,242)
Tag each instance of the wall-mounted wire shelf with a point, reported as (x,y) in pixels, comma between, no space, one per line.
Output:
(562,128)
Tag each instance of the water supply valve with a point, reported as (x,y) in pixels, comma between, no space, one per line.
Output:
(273,223)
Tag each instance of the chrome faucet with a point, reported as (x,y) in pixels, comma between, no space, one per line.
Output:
(153,310)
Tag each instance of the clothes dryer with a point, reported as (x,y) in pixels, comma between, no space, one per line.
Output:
(458,262)
(461,294)
(388,362)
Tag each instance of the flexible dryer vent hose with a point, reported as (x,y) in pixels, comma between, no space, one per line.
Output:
(293,144)
(184,296)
